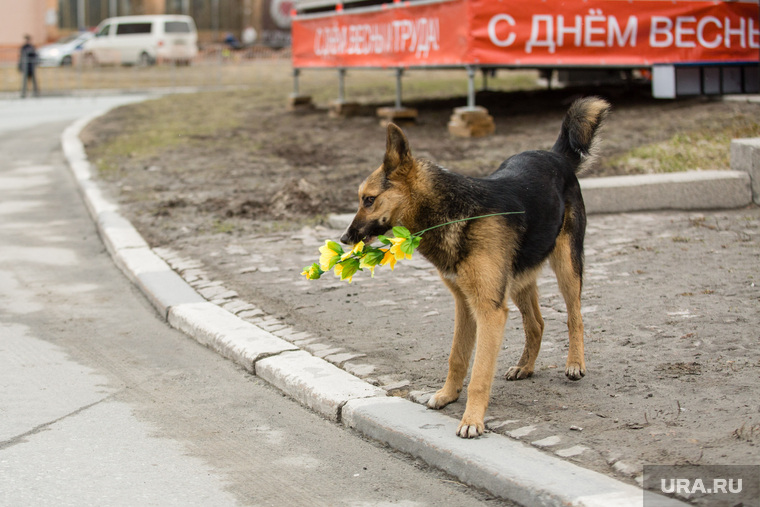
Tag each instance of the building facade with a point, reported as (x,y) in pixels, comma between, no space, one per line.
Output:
(47,20)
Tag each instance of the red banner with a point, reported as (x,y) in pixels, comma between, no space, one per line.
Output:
(404,36)
(612,32)
(544,32)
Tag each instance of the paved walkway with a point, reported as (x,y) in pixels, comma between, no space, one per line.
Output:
(67,436)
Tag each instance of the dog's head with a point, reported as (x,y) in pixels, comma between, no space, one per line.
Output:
(383,196)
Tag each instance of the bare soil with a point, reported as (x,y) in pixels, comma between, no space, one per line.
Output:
(671,300)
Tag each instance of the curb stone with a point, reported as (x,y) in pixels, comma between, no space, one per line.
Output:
(692,190)
(163,287)
(230,336)
(745,156)
(504,467)
(321,386)
(416,430)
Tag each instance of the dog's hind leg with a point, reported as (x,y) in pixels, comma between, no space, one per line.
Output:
(569,278)
(526,300)
(461,350)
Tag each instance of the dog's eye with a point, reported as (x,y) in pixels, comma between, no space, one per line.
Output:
(368,202)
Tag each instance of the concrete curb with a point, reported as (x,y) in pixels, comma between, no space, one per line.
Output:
(745,156)
(692,190)
(229,335)
(504,467)
(315,383)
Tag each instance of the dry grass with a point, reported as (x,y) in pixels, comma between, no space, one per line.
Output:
(181,120)
(706,147)
(273,74)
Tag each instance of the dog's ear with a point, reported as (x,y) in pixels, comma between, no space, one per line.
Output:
(397,152)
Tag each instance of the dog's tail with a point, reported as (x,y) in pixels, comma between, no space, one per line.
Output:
(577,139)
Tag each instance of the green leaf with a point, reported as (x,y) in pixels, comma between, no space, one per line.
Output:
(407,246)
(350,267)
(384,240)
(372,257)
(335,247)
(401,232)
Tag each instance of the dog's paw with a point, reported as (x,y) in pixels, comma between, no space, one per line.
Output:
(470,428)
(518,373)
(575,371)
(441,399)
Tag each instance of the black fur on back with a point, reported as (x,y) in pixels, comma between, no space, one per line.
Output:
(540,184)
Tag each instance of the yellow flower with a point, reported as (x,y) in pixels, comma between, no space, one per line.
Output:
(330,254)
(357,249)
(388,258)
(396,249)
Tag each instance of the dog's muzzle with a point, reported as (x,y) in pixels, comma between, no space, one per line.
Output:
(350,237)
(363,231)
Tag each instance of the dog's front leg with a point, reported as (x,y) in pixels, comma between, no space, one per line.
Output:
(490,332)
(461,350)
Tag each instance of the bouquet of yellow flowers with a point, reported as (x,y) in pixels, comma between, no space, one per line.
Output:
(401,246)
(346,264)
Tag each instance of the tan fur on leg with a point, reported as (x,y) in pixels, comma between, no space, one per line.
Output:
(526,300)
(570,286)
(461,350)
(489,337)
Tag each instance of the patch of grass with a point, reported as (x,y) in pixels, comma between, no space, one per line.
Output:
(152,127)
(106,167)
(705,148)
(223,227)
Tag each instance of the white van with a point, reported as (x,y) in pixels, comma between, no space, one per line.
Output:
(144,40)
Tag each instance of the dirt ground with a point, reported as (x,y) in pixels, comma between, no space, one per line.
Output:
(671,300)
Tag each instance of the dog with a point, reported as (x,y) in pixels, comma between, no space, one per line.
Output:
(486,260)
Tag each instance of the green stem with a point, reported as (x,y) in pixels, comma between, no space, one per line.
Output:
(466,219)
(354,256)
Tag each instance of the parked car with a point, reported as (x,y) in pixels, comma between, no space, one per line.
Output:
(143,40)
(63,51)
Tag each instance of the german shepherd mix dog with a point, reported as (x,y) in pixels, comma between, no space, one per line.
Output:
(487,260)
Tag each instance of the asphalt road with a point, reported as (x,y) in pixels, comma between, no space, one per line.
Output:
(101,403)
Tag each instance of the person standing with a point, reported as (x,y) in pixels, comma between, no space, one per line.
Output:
(27,63)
